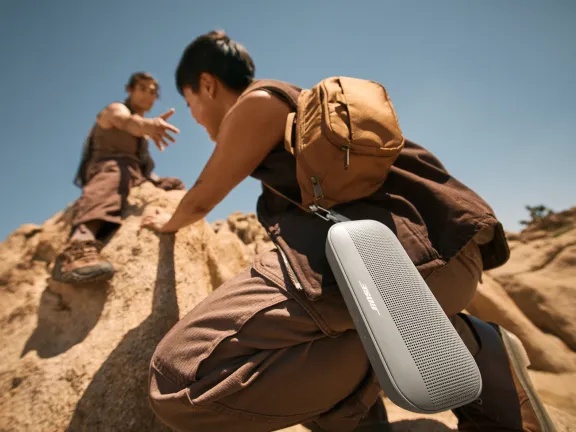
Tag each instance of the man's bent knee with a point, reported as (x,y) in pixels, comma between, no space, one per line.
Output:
(168,402)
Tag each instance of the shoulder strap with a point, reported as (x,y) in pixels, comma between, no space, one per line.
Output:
(327,215)
(284,90)
(290,93)
(280,194)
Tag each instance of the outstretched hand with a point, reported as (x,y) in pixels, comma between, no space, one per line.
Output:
(156,220)
(157,129)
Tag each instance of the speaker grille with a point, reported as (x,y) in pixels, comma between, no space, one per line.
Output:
(448,370)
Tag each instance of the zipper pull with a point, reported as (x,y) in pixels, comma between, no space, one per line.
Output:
(317,189)
(347,157)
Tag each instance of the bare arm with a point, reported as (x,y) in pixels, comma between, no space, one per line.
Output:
(117,115)
(248,133)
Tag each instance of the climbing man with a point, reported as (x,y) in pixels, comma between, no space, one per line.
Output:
(115,158)
(275,345)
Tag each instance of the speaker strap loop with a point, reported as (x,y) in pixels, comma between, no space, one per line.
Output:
(327,215)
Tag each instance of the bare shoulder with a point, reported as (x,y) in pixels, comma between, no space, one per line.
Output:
(258,118)
(263,97)
(258,105)
(114,109)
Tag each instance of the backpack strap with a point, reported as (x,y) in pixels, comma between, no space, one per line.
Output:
(322,213)
(289,94)
(285,91)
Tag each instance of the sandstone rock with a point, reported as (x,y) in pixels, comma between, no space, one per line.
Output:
(546,352)
(247,228)
(76,359)
(541,276)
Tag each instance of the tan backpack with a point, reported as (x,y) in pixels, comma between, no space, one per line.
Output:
(344,136)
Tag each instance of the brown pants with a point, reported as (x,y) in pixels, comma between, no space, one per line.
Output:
(256,356)
(105,193)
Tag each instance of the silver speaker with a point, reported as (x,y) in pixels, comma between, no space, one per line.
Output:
(420,361)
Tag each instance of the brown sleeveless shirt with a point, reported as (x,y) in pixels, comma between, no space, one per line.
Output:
(433,214)
(112,143)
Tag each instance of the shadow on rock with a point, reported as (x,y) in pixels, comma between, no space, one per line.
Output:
(66,315)
(117,397)
(418,425)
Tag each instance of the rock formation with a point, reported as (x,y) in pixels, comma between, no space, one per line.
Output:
(76,359)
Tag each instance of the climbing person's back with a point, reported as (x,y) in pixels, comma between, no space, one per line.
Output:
(275,346)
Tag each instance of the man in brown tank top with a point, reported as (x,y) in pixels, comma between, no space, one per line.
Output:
(275,346)
(115,158)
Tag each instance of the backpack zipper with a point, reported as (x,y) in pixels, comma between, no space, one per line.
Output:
(316,188)
(346,148)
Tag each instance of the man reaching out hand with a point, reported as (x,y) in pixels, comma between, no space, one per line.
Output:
(115,158)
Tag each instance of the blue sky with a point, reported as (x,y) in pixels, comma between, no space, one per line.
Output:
(489,86)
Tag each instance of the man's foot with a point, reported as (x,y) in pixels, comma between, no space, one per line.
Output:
(508,401)
(80,262)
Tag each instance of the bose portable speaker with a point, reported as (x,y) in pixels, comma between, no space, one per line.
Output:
(420,361)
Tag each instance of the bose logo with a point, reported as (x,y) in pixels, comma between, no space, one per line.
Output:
(368,296)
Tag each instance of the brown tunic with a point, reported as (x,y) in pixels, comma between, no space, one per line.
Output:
(112,143)
(112,162)
(433,214)
(105,144)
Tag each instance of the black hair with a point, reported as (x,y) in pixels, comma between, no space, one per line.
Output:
(140,76)
(217,54)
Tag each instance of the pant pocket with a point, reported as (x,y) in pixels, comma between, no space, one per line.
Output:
(328,309)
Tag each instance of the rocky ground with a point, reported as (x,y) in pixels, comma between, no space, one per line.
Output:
(76,359)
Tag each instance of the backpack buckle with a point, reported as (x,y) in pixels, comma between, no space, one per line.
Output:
(328,215)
